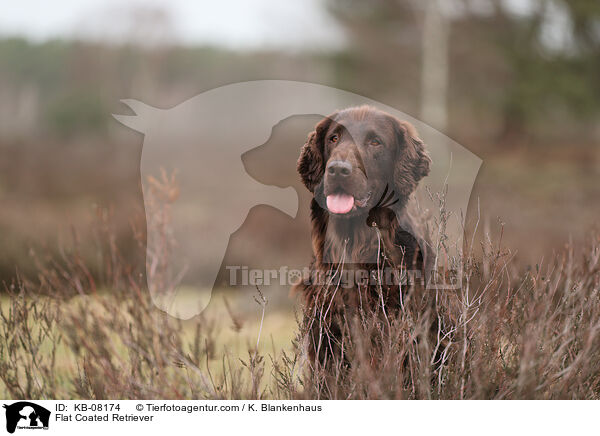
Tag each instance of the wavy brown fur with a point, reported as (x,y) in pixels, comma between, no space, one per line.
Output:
(384,232)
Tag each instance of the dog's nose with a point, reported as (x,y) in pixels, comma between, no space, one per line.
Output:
(339,168)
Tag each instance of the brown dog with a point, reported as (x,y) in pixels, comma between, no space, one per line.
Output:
(362,165)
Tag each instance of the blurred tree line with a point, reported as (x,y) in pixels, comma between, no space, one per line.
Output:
(512,74)
(530,70)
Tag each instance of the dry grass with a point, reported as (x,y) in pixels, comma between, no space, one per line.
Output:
(508,333)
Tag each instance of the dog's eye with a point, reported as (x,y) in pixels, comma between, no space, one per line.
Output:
(334,138)
(374,141)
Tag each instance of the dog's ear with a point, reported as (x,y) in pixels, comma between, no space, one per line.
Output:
(311,164)
(412,159)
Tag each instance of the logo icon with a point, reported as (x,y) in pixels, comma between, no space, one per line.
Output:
(26,415)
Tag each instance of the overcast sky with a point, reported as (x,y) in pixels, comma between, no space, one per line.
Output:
(238,24)
(231,23)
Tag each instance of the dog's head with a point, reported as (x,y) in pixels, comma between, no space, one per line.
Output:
(361,158)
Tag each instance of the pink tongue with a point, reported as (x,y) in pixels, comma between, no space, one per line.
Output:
(340,203)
